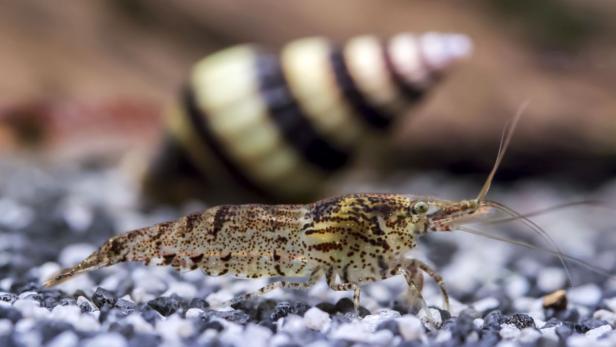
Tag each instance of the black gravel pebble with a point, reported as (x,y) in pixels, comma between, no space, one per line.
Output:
(143,340)
(346,306)
(411,344)
(103,297)
(86,306)
(588,324)
(25,286)
(167,305)
(149,314)
(520,320)
(203,324)
(552,322)
(198,303)
(569,315)
(125,307)
(488,339)
(285,308)
(52,328)
(8,298)
(493,320)
(460,326)
(563,332)
(327,307)
(126,330)
(235,316)
(10,313)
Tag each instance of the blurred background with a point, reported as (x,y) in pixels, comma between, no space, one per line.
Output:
(89,81)
(85,87)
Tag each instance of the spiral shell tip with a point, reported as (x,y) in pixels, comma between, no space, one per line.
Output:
(441,50)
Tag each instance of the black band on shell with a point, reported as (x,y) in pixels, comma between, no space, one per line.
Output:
(368,114)
(409,91)
(198,120)
(293,124)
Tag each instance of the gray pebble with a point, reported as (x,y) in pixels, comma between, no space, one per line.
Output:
(103,297)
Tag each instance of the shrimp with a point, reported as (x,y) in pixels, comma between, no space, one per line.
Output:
(351,240)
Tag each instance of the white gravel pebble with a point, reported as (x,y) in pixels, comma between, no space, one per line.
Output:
(292,324)
(73,254)
(14,214)
(182,289)
(443,336)
(217,298)
(140,294)
(316,319)
(550,279)
(485,304)
(193,313)
(233,334)
(79,282)
(605,315)
(379,292)
(319,343)
(598,331)
(456,307)
(139,324)
(529,335)
(587,295)
(280,340)
(174,328)
(258,336)
(87,322)
(48,269)
(611,303)
(507,343)
(430,318)
(579,341)
(5,326)
(516,286)
(380,338)
(411,327)
(509,331)
(30,308)
(354,331)
(83,301)
(27,295)
(77,214)
(68,313)
(550,333)
(478,323)
(373,320)
(106,340)
(65,339)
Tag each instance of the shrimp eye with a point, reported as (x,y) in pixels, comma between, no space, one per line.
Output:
(420,207)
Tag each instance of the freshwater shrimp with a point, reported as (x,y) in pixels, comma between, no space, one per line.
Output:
(351,240)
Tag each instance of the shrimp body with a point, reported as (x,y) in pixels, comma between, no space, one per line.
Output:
(351,239)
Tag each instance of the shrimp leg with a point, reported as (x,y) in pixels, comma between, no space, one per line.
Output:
(312,279)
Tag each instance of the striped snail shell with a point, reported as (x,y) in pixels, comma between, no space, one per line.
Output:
(279,125)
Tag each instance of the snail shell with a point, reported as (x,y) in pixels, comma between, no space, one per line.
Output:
(278,126)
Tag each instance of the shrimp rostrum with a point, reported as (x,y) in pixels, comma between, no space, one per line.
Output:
(351,240)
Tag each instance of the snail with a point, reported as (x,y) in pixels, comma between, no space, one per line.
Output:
(252,124)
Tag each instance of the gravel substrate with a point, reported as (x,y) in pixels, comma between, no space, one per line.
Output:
(52,218)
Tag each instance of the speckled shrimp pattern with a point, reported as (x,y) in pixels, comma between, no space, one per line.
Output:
(352,239)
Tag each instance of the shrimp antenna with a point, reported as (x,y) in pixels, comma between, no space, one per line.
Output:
(572,259)
(502,149)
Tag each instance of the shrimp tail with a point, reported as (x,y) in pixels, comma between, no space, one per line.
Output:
(136,245)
